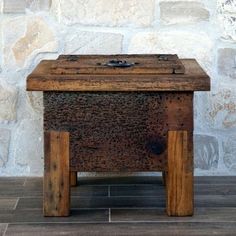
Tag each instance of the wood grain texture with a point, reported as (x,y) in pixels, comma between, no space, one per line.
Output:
(179,179)
(204,215)
(126,229)
(73,178)
(118,131)
(194,79)
(97,64)
(56,174)
(157,200)
(36,216)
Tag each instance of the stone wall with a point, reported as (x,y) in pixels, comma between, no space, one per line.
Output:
(32,30)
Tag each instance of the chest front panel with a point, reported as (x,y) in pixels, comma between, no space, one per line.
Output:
(118,131)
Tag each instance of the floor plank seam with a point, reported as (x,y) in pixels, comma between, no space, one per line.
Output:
(109,215)
(17,200)
(5,230)
(170,221)
(24,184)
(126,208)
(64,222)
(72,208)
(122,222)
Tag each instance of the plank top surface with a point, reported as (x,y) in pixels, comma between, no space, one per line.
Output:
(117,64)
(91,75)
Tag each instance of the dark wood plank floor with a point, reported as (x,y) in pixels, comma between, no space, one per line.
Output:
(118,206)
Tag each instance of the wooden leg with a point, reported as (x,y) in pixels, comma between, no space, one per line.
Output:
(73,178)
(56,174)
(179,179)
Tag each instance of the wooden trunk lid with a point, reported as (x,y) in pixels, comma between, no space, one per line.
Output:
(94,73)
(117,64)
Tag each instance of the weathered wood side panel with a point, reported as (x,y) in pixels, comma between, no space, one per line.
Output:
(118,131)
(56,185)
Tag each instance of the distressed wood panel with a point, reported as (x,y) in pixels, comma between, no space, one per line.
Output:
(118,131)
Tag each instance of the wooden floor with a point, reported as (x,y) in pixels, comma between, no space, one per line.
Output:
(118,206)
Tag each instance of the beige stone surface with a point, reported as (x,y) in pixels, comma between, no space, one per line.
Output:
(105,12)
(34,30)
(38,5)
(39,37)
(186,44)
(20,6)
(229,149)
(206,152)
(228,6)
(12,29)
(1,6)
(35,99)
(8,102)
(4,145)
(14,6)
(85,42)
(227,23)
(227,62)
(176,12)
(226,10)
(221,113)
(28,145)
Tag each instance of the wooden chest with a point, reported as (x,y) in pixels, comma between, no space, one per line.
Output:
(118,113)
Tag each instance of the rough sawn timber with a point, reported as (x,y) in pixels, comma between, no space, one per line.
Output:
(56,184)
(194,79)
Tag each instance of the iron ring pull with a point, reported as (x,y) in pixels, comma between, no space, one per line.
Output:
(119,64)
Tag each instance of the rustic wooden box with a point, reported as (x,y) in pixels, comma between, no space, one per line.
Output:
(118,113)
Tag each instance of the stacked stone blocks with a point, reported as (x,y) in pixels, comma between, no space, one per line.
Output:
(32,30)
